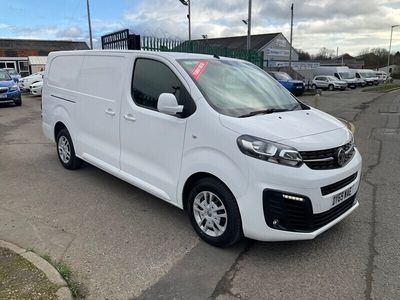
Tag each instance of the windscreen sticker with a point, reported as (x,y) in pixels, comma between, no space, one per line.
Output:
(199,69)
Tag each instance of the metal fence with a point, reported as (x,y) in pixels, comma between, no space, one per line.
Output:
(124,40)
(162,44)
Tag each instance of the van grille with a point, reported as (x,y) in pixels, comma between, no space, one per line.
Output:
(327,159)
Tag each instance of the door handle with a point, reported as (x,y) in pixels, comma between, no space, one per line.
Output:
(110,112)
(129,117)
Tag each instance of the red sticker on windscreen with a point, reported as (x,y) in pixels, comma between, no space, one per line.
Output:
(199,69)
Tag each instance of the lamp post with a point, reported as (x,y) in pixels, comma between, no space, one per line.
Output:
(390,44)
(187,3)
(90,25)
(291,34)
(249,28)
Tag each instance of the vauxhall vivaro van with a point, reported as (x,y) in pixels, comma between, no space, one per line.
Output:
(215,136)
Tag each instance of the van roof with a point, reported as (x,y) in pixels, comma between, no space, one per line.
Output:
(173,55)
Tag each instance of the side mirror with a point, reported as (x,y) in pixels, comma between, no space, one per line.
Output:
(168,104)
(15,79)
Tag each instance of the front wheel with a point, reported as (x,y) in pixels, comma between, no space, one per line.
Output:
(214,213)
(331,87)
(66,151)
(18,102)
(314,86)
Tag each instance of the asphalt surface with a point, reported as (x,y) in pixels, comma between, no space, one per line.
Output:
(122,243)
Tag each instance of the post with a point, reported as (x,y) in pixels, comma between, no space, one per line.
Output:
(390,46)
(189,16)
(337,52)
(90,25)
(249,29)
(291,37)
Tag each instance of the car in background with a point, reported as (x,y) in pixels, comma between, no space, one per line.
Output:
(296,87)
(36,88)
(342,73)
(382,76)
(328,82)
(9,91)
(25,83)
(14,74)
(367,75)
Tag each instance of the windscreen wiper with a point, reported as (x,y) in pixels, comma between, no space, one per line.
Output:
(263,112)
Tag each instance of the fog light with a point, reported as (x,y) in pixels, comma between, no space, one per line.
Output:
(290,197)
(275,222)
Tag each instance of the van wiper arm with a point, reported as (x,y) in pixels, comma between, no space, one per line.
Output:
(263,112)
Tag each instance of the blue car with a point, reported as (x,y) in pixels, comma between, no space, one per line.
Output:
(9,90)
(296,87)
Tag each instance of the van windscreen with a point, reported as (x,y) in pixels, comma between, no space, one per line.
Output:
(237,88)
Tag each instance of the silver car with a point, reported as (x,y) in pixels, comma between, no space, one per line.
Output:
(328,82)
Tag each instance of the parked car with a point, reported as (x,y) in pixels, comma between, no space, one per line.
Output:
(328,82)
(25,83)
(9,91)
(36,88)
(341,73)
(215,136)
(382,76)
(367,75)
(296,87)
(14,74)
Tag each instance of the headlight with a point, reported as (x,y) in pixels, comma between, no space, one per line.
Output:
(14,88)
(269,151)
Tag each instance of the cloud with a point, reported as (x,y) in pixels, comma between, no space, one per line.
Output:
(72,32)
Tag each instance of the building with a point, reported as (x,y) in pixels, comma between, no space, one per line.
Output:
(15,53)
(275,46)
(392,69)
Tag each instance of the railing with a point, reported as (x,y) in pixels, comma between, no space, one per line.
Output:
(171,45)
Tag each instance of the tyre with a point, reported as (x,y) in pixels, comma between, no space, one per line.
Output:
(314,86)
(18,102)
(66,151)
(331,87)
(214,213)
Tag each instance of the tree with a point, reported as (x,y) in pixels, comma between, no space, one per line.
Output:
(303,55)
(324,54)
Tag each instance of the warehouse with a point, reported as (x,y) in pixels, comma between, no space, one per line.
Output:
(25,55)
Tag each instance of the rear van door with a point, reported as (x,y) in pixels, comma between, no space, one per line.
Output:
(100,89)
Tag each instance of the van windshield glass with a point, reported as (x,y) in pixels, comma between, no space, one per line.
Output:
(346,75)
(236,88)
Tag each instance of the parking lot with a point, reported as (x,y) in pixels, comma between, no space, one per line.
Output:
(120,242)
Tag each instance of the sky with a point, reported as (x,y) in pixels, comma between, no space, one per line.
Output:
(351,25)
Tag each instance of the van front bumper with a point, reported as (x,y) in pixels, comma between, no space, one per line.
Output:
(312,205)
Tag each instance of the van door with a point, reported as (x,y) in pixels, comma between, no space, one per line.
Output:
(100,91)
(152,142)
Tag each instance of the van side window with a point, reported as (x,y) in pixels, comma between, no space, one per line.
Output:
(152,78)
(337,75)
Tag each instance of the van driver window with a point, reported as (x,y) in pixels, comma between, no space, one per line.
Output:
(152,78)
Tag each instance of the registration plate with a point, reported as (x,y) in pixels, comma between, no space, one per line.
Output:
(3,96)
(299,87)
(341,196)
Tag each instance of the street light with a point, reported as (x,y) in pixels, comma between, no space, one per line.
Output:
(248,28)
(90,25)
(187,3)
(390,44)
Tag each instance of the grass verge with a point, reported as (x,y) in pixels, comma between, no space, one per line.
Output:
(383,88)
(65,273)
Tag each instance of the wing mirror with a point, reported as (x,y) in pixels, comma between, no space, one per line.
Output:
(168,104)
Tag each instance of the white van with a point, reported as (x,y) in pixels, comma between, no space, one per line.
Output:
(341,73)
(367,75)
(215,136)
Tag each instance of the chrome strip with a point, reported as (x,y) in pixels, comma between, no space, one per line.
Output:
(318,159)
